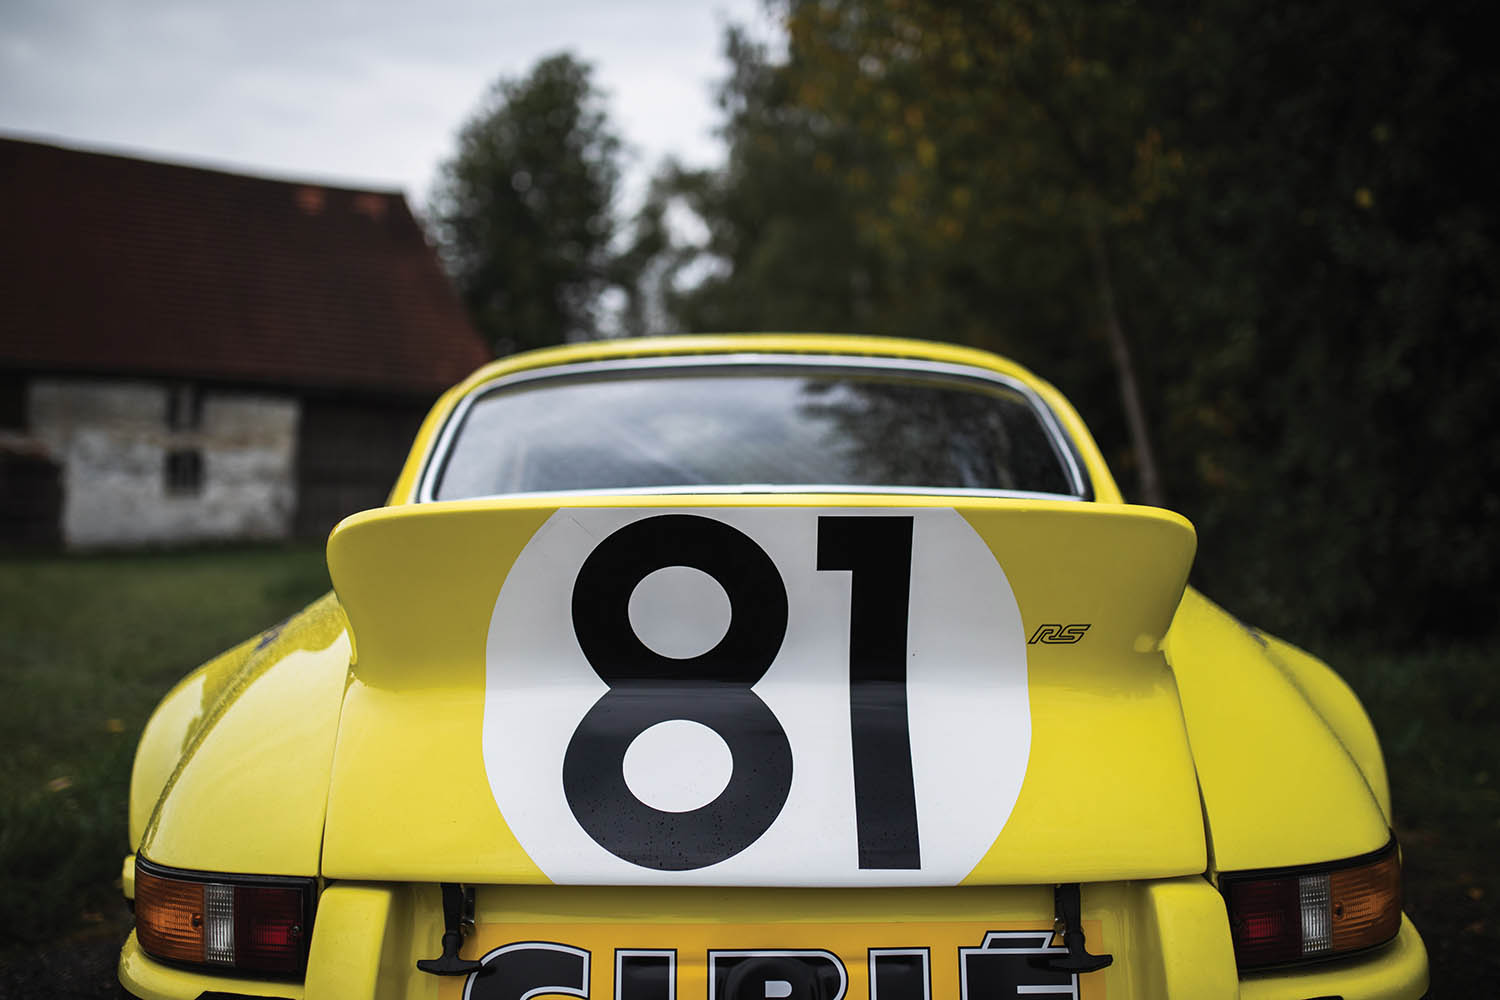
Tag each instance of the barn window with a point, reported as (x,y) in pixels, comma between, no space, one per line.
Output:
(184,471)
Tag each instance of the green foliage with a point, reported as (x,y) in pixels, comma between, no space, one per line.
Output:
(864,190)
(1292,205)
(911,166)
(781,231)
(524,210)
(1328,295)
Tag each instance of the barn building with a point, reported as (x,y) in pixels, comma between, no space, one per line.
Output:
(188,355)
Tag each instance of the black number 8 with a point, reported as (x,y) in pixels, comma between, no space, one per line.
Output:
(646,688)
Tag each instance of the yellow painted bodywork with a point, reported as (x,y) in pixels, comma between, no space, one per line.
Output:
(144,977)
(170,731)
(1332,698)
(254,732)
(1106,723)
(1174,745)
(1279,785)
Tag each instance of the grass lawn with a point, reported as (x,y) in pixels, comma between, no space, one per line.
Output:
(88,645)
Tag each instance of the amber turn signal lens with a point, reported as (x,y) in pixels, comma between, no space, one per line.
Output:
(169,917)
(1366,904)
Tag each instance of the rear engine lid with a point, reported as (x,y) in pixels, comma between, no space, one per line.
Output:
(799,691)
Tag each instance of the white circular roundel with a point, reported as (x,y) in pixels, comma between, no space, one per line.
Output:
(756,696)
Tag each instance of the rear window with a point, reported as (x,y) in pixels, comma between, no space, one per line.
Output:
(753,427)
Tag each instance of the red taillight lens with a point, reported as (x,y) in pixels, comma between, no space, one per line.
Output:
(1314,912)
(1266,920)
(249,924)
(268,931)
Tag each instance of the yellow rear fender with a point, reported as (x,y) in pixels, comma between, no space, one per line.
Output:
(1336,702)
(171,728)
(236,760)
(1280,786)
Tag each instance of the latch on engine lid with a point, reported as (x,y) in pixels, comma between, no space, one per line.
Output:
(458,917)
(1067,901)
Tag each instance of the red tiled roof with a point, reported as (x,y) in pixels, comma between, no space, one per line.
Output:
(112,264)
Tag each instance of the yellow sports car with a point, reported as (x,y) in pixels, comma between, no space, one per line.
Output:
(763,668)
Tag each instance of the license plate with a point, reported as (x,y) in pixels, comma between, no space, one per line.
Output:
(771,961)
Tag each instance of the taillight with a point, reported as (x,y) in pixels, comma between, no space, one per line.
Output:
(237,923)
(1315,911)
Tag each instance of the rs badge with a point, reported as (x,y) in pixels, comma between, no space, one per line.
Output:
(1057,634)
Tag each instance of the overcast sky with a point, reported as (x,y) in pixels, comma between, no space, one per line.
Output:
(365,93)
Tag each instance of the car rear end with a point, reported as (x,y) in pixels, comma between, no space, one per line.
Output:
(643,708)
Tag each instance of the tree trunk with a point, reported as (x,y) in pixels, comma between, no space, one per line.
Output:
(1130,397)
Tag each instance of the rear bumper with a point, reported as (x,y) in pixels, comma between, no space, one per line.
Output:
(1397,971)
(143,976)
(1170,939)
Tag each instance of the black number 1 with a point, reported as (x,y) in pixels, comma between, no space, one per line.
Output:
(877,552)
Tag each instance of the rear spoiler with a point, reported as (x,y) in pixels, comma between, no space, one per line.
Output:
(530,679)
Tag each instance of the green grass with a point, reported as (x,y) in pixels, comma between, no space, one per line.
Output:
(88,645)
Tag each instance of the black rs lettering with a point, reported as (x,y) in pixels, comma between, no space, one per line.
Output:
(646,688)
(877,552)
(1058,634)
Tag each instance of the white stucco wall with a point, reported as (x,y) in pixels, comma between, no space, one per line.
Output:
(112,439)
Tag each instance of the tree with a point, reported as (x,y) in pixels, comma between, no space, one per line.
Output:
(1337,403)
(524,211)
(780,252)
(912,165)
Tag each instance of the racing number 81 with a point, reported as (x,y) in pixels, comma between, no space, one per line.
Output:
(714,690)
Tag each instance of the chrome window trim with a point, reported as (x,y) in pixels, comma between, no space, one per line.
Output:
(748,362)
